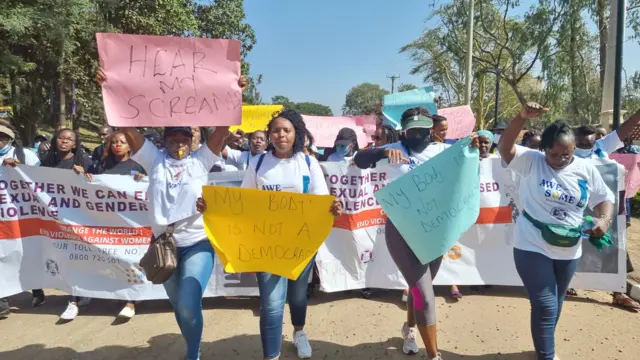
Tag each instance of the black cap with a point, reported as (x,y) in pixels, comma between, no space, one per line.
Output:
(346,136)
(184,129)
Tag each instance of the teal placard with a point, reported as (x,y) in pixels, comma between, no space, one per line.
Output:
(437,202)
(393,105)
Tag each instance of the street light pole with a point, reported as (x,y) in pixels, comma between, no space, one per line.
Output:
(467,90)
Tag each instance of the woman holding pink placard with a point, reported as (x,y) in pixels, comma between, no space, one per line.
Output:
(176,177)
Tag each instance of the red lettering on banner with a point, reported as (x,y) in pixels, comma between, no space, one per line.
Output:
(97,235)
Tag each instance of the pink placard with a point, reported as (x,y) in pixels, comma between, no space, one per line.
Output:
(368,122)
(325,129)
(461,121)
(170,81)
(631,163)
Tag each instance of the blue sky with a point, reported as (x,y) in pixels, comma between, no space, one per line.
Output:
(317,50)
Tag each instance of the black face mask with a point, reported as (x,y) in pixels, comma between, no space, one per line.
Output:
(417,140)
(413,143)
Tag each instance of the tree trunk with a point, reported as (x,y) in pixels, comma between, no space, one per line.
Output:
(573,49)
(14,94)
(62,116)
(601,9)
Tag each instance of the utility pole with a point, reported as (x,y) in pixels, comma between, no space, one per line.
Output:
(393,82)
(617,87)
(467,78)
(495,111)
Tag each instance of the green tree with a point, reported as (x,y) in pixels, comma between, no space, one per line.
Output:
(281,100)
(310,108)
(363,99)
(434,59)
(48,46)
(251,95)
(306,108)
(406,87)
(225,19)
(631,93)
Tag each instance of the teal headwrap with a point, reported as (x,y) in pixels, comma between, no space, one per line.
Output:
(486,133)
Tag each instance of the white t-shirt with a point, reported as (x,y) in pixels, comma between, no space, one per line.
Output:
(286,175)
(239,159)
(608,144)
(30,158)
(415,159)
(555,197)
(174,186)
(341,159)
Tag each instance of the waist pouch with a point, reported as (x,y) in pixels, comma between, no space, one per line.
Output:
(556,235)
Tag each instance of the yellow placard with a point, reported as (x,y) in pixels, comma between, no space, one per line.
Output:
(256,117)
(266,231)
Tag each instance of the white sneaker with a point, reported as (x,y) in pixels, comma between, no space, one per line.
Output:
(84,301)
(71,312)
(127,313)
(410,346)
(438,357)
(301,343)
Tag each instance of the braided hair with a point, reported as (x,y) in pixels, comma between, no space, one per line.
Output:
(585,130)
(51,159)
(390,134)
(553,132)
(530,134)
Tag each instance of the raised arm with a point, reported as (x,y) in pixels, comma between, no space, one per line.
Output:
(218,139)
(507,144)
(134,138)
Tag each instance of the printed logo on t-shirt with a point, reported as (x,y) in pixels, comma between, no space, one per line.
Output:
(582,184)
(559,213)
(275,187)
(413,163)
(558,193)
(176,172)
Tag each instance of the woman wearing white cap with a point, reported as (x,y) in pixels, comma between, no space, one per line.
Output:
(14,155)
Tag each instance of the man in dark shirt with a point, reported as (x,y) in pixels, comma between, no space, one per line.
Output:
(97,152)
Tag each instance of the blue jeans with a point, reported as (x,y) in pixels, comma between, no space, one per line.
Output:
(274,291)
(185,289)
(546,281)
(627,203)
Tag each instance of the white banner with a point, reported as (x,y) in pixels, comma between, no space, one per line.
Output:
(59,231)
(356,256)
